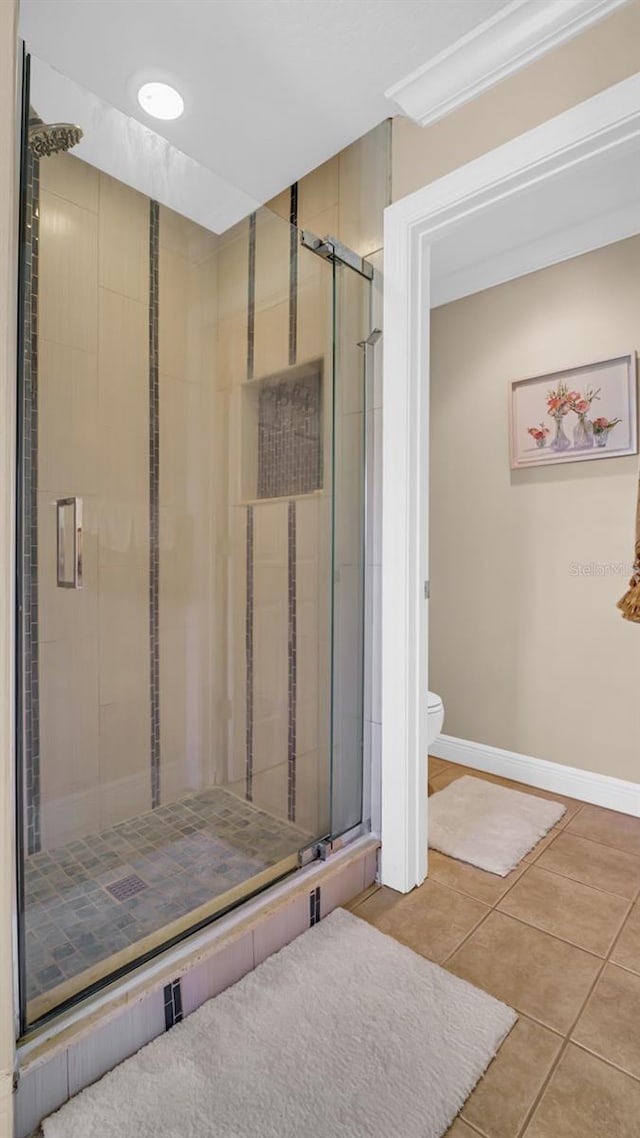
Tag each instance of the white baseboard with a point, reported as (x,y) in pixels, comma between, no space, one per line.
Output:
(599,789)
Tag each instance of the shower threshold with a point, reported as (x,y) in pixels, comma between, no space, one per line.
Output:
(99,904)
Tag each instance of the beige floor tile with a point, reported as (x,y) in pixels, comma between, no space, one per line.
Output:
(485,887)
(584,916)
(593,864)
(432,920)
(627,950)
(383,900)
(450,774)
(534,854)
(460,1130)
(540,976)
(503,1098)
(436,766)
(587,1099)
(610,1024)
(361,898)
(609,827)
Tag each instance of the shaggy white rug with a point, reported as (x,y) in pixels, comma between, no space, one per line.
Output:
(488,825)
(344,1033)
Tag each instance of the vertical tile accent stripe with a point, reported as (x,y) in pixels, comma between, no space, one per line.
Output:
(293,274)
(251,296)
(172,1004)
(30,508)
(314,907)
(249,659)
(154,503)
(293,664)
(251,321)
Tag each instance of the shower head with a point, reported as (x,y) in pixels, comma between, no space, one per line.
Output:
(51,138)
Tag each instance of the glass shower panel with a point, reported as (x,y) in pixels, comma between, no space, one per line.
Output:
(352,298)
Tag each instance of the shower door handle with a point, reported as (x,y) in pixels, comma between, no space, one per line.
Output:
(69,543)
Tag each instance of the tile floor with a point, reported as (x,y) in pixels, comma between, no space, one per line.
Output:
(558,940)
(180,856)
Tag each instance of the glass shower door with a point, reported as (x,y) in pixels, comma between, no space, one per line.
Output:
(192,473)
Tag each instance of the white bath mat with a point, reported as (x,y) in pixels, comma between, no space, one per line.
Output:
(344,1033)
(488,825)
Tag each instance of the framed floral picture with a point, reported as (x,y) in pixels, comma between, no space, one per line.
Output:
(577,414)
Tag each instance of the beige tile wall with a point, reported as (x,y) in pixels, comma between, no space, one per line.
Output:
(94,442)
(191,600)
(69,465)
(345,197)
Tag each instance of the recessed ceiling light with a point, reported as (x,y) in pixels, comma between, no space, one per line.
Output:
(161,100)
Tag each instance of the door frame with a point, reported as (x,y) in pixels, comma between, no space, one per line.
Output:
(605,122)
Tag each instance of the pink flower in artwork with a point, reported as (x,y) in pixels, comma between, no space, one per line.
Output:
(581,405)
(558,402)
(602,425)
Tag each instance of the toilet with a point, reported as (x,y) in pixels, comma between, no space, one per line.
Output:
(436,717)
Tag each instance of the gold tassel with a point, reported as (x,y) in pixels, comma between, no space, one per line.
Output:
(629,604)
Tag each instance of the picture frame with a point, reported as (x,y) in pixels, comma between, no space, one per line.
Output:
(575,414)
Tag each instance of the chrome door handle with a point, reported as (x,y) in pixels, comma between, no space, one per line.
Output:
(69,543)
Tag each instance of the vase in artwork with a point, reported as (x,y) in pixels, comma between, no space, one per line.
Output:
(602,428)
(560,441)
(583,433)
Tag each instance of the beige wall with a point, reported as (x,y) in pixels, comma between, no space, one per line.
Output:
(8,269)
(597,59)
(526,655)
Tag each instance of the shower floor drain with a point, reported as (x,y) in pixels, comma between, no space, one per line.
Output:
(126,887)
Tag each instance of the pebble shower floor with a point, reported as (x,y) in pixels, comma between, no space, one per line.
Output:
(160,866)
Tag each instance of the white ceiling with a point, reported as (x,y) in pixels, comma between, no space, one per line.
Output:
(272,88)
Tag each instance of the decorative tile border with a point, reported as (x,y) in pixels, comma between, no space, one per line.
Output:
(292,663)
(314,907)
(251,297)
(30,509)
(172,1004)
(293,274)
(249,657)
(154,502)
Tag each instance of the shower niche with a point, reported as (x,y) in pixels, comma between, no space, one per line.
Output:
(283,434)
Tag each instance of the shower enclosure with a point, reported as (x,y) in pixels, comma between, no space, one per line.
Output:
(191,576)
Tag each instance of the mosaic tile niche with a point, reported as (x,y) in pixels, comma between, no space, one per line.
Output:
(285,419)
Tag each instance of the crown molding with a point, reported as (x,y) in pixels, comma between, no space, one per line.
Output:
(520,33)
